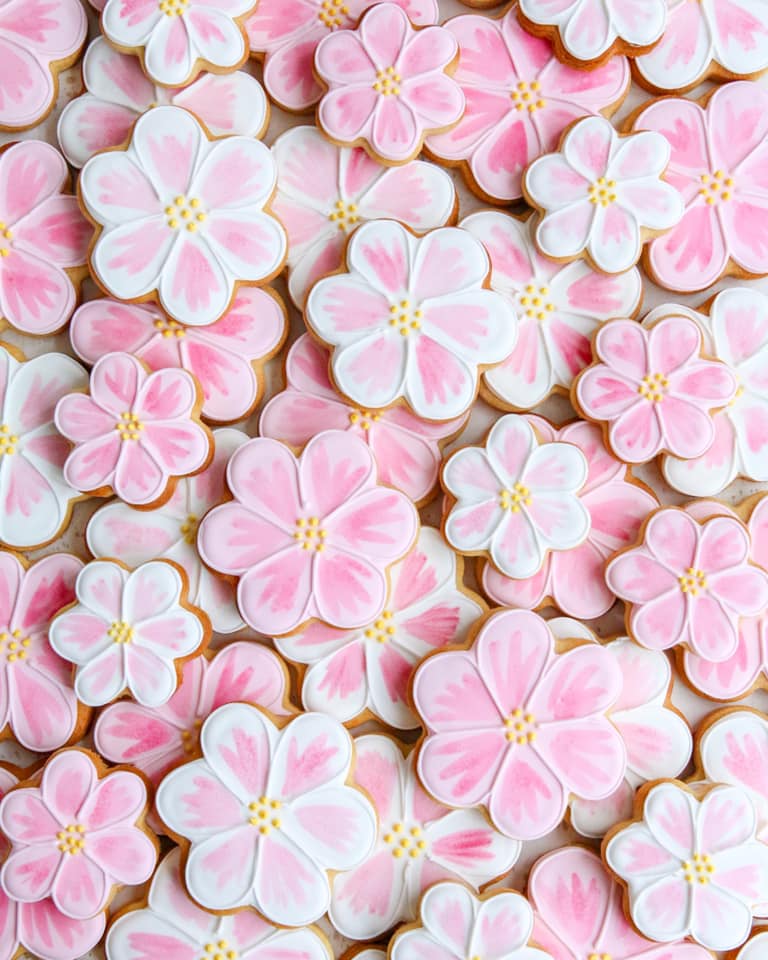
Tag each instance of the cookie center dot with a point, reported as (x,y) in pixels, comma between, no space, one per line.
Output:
(388,82)
(693,581)
(602,191)
(535,302)
(383,629)
(405,841)
(129,426)
(219,950)
(185,213)
(8,441)
(190,738)
(333,13)
(169,328)
(516,498)
(71,839)
(653,387)
(14,646)
(520,727)
(405,317)
(716,187)
(698,870)
(173,8)
(263,813)
(525,96)
(344,215)
(310,534)
(6,236)
(188,528)
(120,632)
(364,418)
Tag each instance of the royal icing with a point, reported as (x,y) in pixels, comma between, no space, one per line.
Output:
(516,498)
(692,865)
(520,98)
(43,235)
(717,161)
(177,38)
(651,390)
(126,631)
(601,195)
(118,92)
(574,579)
(324,192)
(353,673)
(267,813)
(410,319)
(76,836)
(756,948)
(182,217)
(510,716)
(308,537)
(388,84)
(418,843)
(133,432)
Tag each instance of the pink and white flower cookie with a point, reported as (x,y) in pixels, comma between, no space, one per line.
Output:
(182,218)
(118,92)
(410,319)
(76,834)
(267,813)
(129,631)
(388,83)
(418,843)
(602,196)
(517,726)
(691,864)
(308,538)
(324,192)
(519,99)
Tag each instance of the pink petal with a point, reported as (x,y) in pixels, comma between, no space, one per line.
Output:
(349,591)
(41,925)
(566,232)
(195,803)
(379,525)
(27,86)
(588,756)
(443,686)
(336,823)
(636,435)
(56,232)
(673,538)
(512,652)
(193,285)
(139,478)
(527,799)
(68,781)
(165,395)
(289,886)
(311,754)
(461,768)
(27,820)
(659,624)
(405,460)
(126,854)
(731,678)
(343,59)
(275,596)
(381,255)
(43,707)
(554,184)
(232,539)
(663,906)
(580,683)
(587,147)
(263,474)
(386,32)
(35,296)
(712,632)
(367,897)
(29,873)
(89,124)
(235,160)
(346,113)
(448,916)
(231,858)
(334,470)
(30,172)
(673,343)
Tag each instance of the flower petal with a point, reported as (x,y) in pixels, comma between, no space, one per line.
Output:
(290,887)
(193,802)
(231,858)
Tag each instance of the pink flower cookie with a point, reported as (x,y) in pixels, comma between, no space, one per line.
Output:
(579,913)
(516,498)
(355,674)
(688,583)
(520,98)
(118,92)
(43,235)
(226,357)
(324,192)
(719,149)
(388,84)
(134,433)
(652,389)
(267,813)
(129,631)
(76,833)
(574,579)
(172,925)
(38,38)
(182,218)
(419,842)
(287,32)
(308,537)
(411,319)
(691,864)
(510,718)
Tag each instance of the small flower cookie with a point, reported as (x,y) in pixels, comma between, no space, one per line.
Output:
(601,195)
(388,83)
(309,537)
(129,631)
(506,717)
(691,864)
(519,98)
(77,834)
(410,320)
(117,93)
(182,218)
(324,192)
(264,802)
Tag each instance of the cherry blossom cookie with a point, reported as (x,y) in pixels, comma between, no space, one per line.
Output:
(182,218)
(601,195)
(389,84)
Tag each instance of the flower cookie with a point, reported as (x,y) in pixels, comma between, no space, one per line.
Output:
(76,834)
(601,196)
(354,675)
(519,98)
(38,39)
(186,231)
(129,631)
(756,947)
(389,84)
(519,715)
(516,498)
(719,150)
(324,192)
(266,813)
(135,433)
(118,92)
(574,579)
(691,864)
(43,236)
(418,842)
(309,537)
(177,39)
(410,319)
